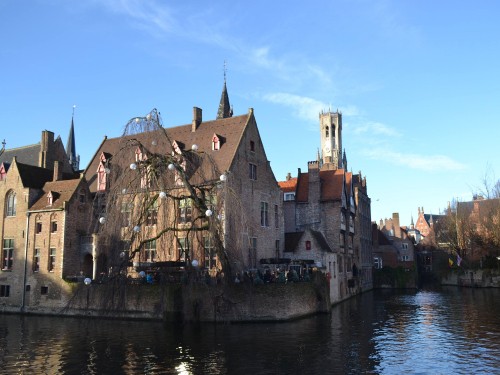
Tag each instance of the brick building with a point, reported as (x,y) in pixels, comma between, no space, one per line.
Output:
(331,206)
(222,160)
(25,179)
(392,244)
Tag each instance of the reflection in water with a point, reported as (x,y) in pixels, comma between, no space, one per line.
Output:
(446,331)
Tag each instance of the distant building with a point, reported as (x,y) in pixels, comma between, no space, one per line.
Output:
(393,245)
(477,227)
(425,222)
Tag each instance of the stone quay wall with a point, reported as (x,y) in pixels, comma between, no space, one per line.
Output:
(195,302)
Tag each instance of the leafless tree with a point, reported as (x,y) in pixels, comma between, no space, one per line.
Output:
(168,197)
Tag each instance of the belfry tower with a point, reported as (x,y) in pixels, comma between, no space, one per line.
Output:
(330,124)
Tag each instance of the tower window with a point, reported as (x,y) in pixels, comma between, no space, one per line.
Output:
(327,131)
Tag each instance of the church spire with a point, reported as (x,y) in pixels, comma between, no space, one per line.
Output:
(225,109)
(74,160)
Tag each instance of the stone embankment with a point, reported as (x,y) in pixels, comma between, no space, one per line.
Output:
(473,278)
(196,302)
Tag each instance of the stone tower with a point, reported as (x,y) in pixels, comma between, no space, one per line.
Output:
(331,138)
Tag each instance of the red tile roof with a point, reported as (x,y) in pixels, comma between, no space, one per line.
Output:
(288,186)
(64,190)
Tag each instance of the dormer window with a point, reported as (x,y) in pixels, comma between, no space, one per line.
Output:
(177,146)
(3,172)
(138,154)
(101,177)
(215,143)
(50,198)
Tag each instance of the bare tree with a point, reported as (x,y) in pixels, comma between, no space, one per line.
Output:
(167,204)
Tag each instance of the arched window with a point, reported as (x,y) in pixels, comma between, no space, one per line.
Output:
(327,131)
(11,204)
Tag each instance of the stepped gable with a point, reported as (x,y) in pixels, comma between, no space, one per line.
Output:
(230,130)
(63,190)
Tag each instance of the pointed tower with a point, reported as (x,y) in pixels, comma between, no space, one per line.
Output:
(330,124)
(74,160)
(225,109)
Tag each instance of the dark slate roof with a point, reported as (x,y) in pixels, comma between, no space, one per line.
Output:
(321,240)
(292,240)
(435,218)
(231,129)
(34,177)
(62,191)
(27,155)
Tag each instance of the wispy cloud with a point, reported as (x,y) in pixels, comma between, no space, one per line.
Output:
(304,107)
(162,20)
(414,161)
(375,128)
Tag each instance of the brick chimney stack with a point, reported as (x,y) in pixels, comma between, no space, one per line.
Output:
(57,171)
(197,118)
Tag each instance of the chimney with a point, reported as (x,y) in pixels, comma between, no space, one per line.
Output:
(288,176)
(314,182)
(197,118)
(397,226)
(57,171)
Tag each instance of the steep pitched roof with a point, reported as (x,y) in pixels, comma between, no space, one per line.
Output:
(231,129)
(332,185)
(27,155)
(321,240)
(34,177)
(288,186)
(435,218)
(292,240)
(63,190)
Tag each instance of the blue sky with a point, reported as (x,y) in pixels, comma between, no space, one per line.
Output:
(418,82)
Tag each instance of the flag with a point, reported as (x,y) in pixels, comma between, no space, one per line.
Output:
(450,262)
(459,260)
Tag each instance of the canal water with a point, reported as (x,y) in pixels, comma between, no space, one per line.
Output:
(444,331)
